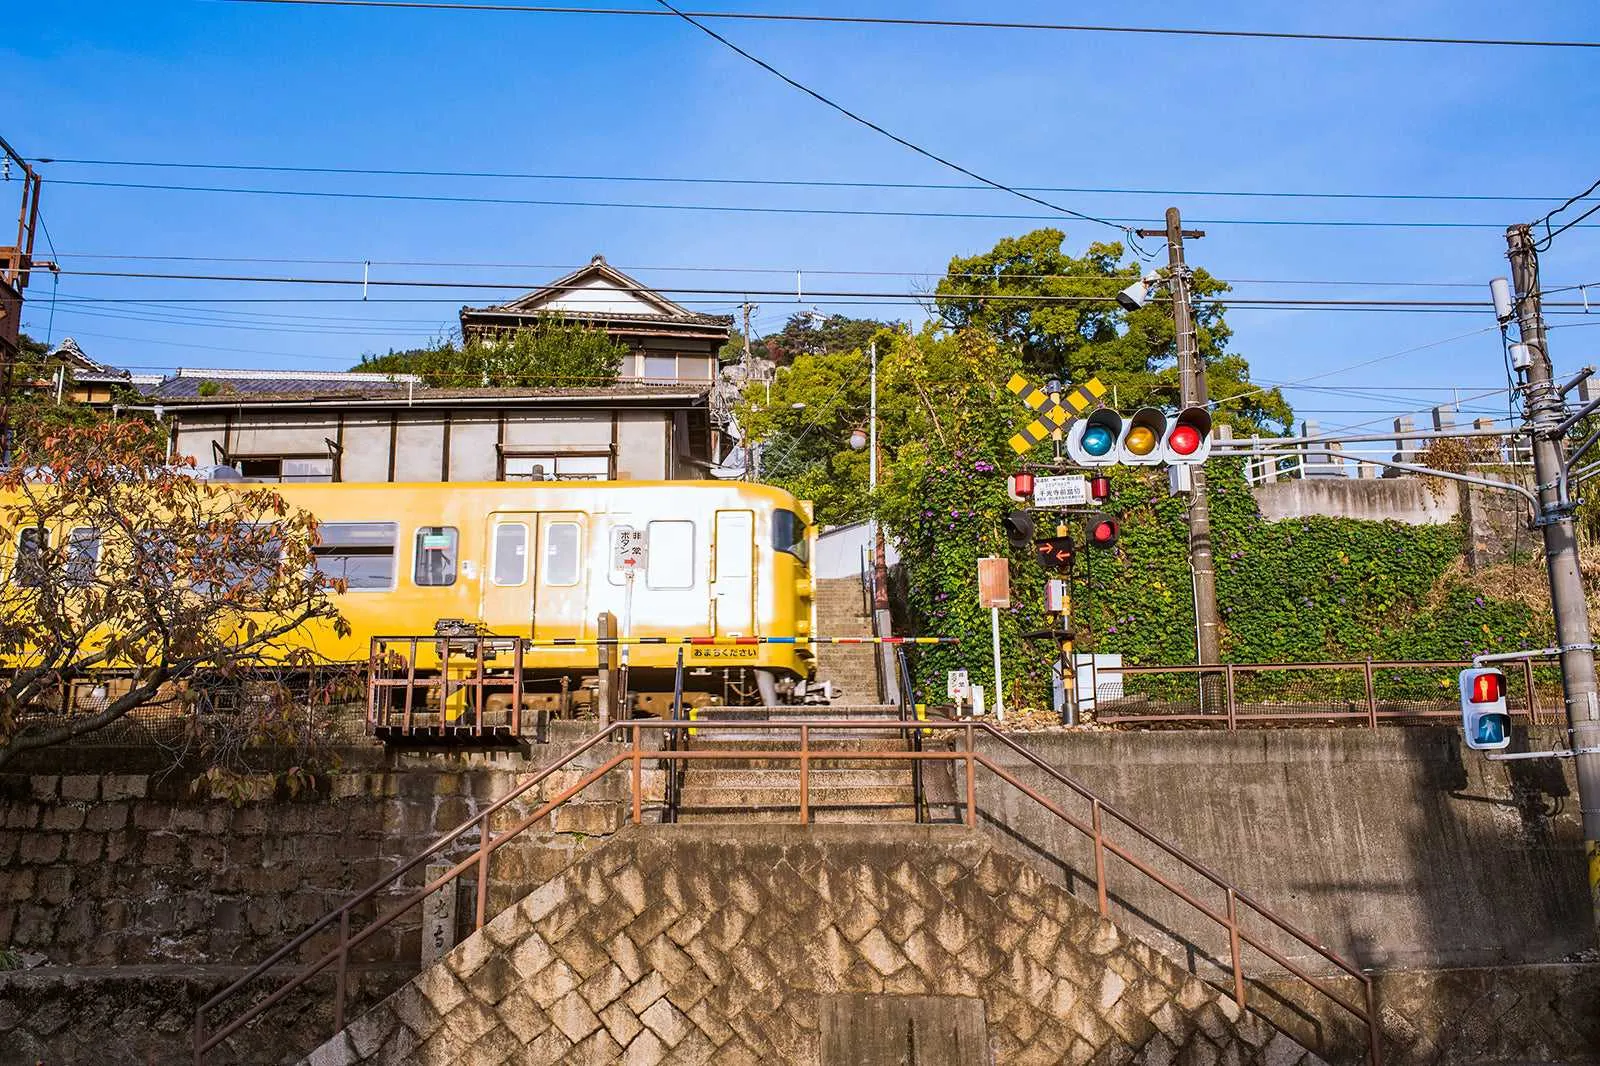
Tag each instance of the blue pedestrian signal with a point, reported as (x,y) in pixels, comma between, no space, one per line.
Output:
(1485,721)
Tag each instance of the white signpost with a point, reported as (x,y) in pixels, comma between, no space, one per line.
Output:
(628,551)
(1070,490)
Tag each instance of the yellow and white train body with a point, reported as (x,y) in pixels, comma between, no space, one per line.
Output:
(545,560)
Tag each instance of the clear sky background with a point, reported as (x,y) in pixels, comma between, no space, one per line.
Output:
(201,81)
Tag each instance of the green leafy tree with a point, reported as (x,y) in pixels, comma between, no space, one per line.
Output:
(811,333)
(1060,312)
(552,354)
(34,413)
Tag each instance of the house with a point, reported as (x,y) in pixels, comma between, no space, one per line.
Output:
(285,426)
(669,343)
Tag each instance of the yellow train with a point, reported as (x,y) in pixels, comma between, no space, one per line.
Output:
(547,559)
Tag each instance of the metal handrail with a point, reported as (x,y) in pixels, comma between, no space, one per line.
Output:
(1095,830)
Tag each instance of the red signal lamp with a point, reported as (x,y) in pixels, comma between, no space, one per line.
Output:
(1488,688)
(1022,485)
(1099,488)
(1103,532)
(1185,440)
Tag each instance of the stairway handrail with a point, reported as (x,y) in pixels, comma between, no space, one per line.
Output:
(489,844)
(341,913)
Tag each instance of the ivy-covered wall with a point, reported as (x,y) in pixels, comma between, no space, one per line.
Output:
(1294,591)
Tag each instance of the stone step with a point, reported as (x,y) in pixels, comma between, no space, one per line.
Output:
(785,798)
(822,776)
(857,815)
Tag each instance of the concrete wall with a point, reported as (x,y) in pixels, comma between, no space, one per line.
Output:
(1413,501)
(1395,846)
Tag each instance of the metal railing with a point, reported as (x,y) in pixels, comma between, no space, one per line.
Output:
(1366,693)
(1108,831)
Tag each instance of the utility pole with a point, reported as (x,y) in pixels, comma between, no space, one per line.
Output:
(16,264)
(882,620)
(1543,414)
(748,362)
(1192,392)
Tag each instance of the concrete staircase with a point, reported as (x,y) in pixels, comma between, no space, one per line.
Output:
(741,789)
(841,613)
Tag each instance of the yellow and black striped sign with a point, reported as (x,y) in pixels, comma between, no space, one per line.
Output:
(1057,415)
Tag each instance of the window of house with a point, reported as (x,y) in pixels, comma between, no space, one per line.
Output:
(435,556)
(660,368)
(670,551)
(281,468)
(557,467)
(562,563)
(359,553)
(510,554)
(694,368)
(31,544)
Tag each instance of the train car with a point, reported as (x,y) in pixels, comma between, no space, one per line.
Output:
(547,559)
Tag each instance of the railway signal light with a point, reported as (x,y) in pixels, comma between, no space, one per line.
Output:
(1099,488)
(1141,441)
(1189,439)
(1485,721)
(1019,530)
(1020,486)
(1093,439)
(1102,532)
(1056,553)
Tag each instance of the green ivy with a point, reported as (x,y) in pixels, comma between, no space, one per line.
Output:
(1299,590)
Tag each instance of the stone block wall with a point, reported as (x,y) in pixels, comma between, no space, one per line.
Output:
(729,944)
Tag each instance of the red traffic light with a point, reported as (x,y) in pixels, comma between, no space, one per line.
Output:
(1488,688)
(1103,532)
(1185,440)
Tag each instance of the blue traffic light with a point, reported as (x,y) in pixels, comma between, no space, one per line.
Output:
(1098,440)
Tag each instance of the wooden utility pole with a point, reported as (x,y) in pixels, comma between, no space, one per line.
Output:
(748,363)
(16,263)
(1543,413)
(1192,392)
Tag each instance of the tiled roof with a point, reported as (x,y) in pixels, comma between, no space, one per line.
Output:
(252,384)
(421,395)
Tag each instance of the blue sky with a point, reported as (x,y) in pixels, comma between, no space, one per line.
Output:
(201,81)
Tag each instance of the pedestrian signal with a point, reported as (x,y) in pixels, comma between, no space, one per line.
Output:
(1189,439)
(1485,722)
(1019,530)
(1102,532)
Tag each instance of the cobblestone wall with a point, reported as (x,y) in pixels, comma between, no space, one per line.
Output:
(701,944)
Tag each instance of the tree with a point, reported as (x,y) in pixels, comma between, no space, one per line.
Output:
(811,333)
(136,577)
(1060,313)
(552,354)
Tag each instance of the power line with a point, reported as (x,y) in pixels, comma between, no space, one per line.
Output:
(867,20)
(807,183)
(1120,224)
(1550,235)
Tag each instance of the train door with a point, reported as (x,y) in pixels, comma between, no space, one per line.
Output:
(732,574)
(508,591)
(561,576)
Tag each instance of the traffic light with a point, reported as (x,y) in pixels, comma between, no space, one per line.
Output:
(1056,553)
(1141,441)
(1101,532)
(1485,722)
(1093,439)
(1019,530)
(1189,439)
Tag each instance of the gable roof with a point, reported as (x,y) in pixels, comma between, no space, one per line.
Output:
(84,368)
(186,382)
(599,291)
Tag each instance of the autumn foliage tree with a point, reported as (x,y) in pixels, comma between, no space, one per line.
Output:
(129,579)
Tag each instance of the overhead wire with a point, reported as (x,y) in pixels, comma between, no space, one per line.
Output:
(946,23)
(1550,235)
(1121,224)
(818,183)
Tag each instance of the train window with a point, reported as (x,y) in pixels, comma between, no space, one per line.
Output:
(31,544)
(670,555)
(561,559)
(789,535)
(435,556)
(510,554)
(359,553)
(83,556)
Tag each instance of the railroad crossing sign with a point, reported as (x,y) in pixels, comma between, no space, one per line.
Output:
(1052,415)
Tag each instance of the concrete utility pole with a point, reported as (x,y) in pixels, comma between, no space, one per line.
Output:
(1191,392)
(749,361)
(1543,413)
